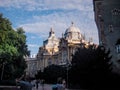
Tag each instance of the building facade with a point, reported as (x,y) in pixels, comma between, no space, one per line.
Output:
(32,66)
(107,18)
(59,51)
(48,53)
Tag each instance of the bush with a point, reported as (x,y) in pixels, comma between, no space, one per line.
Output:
(8,82)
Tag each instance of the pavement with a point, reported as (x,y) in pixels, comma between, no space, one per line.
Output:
(45,87)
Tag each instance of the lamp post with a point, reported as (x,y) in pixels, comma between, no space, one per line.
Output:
(67,77)
(67,62)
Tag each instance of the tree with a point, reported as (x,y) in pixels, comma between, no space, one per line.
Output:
(13,48)
(90,66)
(21,46)
(53,72)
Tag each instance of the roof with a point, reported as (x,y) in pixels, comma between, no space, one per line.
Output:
(72,29)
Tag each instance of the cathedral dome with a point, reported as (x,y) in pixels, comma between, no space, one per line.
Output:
(73,29)
(72,32)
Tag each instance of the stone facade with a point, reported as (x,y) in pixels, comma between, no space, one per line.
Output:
(59,50)
(107,17)
(32,66)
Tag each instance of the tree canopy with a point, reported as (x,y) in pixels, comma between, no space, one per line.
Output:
(90,67)
(13,48)
(52,73)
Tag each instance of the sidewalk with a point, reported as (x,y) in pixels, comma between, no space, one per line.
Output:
(46,87)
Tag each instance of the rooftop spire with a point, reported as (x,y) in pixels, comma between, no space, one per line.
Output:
(62,35)
(72,23)
(51,31)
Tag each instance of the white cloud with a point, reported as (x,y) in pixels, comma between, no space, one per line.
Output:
(47,4)
(33,45)
(60,22)
(42,29)
(78,11)
(26,4)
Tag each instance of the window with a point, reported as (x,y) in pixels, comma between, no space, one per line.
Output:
(116,11)
(49,61)
(118,48)
(115,17)
(110,28)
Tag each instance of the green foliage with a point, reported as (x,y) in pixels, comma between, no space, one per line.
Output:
(39,75)
(7,52)
(5,24)
(90,66)
(13,49)
(21,44)
(52,73)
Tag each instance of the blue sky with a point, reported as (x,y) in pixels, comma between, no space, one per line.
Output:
(38,16)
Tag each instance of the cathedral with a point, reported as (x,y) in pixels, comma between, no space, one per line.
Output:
(57,51)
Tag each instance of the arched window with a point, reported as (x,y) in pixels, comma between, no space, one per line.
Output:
(116,11)
(110,28)
(115,17)
(49,61)
(118,46)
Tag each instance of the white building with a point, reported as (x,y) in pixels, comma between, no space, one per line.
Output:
(57,51)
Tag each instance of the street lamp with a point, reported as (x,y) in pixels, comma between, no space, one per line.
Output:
(67,77)
(2,70)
